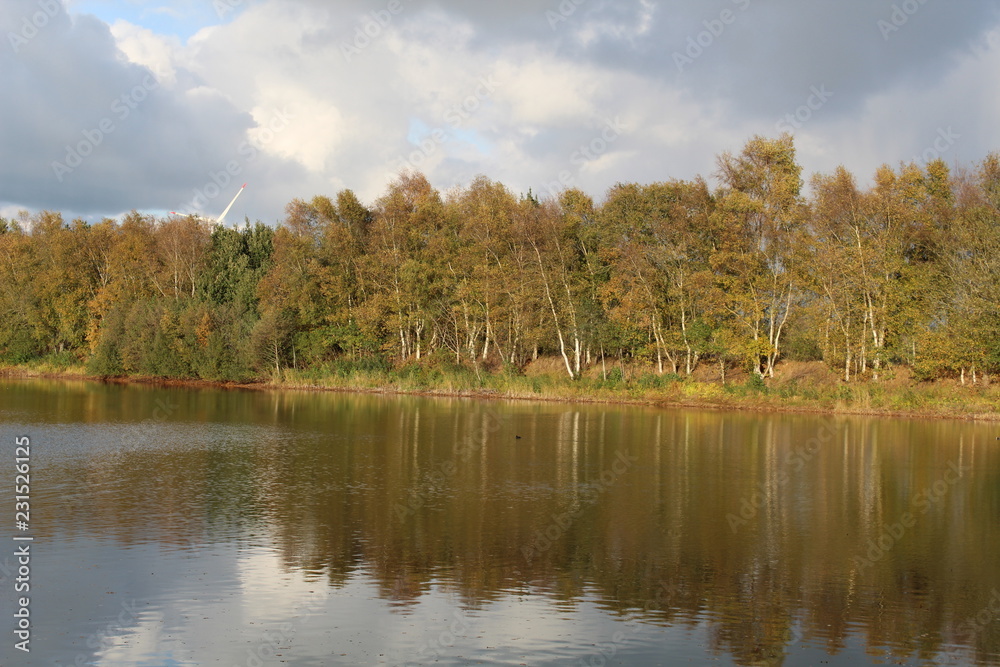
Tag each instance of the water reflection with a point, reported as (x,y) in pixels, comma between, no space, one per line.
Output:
(768,539)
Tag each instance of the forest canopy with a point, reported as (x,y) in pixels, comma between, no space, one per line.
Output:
(671,274)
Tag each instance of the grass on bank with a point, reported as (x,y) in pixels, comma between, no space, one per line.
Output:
(63,364)
(547,380)
(942,398)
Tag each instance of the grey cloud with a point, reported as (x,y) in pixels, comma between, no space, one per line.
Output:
(764,58)
(89,133)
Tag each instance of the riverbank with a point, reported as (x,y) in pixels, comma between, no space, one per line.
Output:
(795,388)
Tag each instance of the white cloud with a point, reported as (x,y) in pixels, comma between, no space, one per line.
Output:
(144,47)
(10,212)
(544,91)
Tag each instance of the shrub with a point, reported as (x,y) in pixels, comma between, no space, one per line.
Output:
(756,383)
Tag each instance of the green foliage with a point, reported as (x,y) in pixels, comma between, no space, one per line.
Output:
(106,359)
(614,379)
(19,346)
(651,381)
(346,368)
(467,288)
(755,383)
(237,260)
(801,345)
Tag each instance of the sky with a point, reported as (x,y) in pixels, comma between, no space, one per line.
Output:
(114,105)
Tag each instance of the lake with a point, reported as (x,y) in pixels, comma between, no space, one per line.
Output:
(178,526)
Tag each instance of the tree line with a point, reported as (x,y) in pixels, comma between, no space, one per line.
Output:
(673,275)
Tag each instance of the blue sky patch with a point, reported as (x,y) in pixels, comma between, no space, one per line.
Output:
(183,18)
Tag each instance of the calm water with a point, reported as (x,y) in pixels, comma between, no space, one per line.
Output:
(202,527)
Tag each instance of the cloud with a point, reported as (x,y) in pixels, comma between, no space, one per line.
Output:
(105,124)
(302,97)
